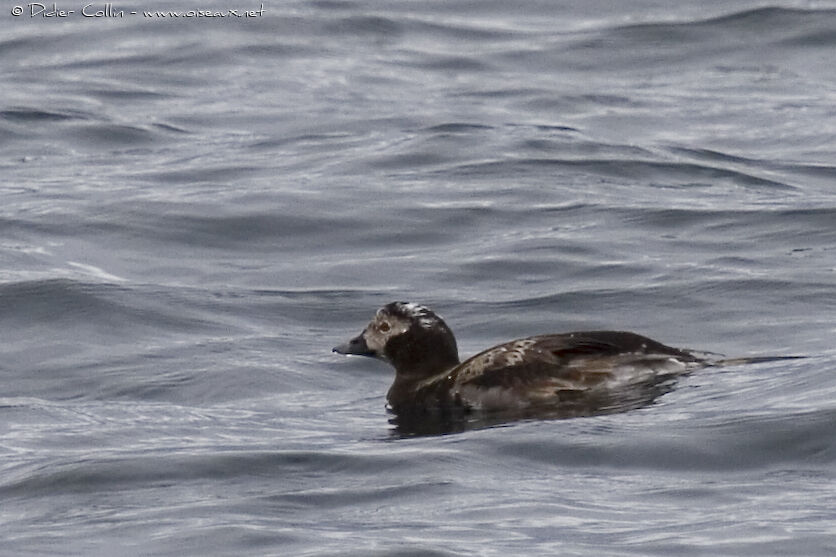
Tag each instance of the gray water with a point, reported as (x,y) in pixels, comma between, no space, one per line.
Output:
(195,210)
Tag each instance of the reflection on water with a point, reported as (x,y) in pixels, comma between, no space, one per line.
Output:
(422,421)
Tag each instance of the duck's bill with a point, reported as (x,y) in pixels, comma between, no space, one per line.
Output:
(356,347)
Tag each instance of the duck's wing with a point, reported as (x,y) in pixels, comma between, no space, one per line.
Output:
(569,362)
(608,343)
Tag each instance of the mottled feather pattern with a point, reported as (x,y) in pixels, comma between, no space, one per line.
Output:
(503,356)
(516,374)
(422,315)
(570,359)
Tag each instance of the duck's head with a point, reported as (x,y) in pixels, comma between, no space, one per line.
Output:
(410,337)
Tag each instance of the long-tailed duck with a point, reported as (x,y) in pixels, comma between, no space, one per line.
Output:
(541,371)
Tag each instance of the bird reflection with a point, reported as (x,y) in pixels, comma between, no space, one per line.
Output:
(421,421)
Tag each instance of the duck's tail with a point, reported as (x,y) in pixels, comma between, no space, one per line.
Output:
(751,360)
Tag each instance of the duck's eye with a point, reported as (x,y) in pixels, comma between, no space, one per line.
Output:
(384,327)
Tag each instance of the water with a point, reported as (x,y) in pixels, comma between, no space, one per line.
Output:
(195,210)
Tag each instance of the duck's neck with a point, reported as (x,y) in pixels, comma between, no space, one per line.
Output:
(417,356)
(411,387)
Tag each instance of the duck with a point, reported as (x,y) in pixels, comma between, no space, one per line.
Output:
(586,369)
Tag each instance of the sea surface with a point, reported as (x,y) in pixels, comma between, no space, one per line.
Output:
(195,209)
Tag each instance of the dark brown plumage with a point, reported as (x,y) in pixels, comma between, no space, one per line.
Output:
(547,370)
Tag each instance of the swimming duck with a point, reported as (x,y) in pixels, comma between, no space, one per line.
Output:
(572,368)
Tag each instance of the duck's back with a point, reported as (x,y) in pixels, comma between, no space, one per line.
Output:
(555,368)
